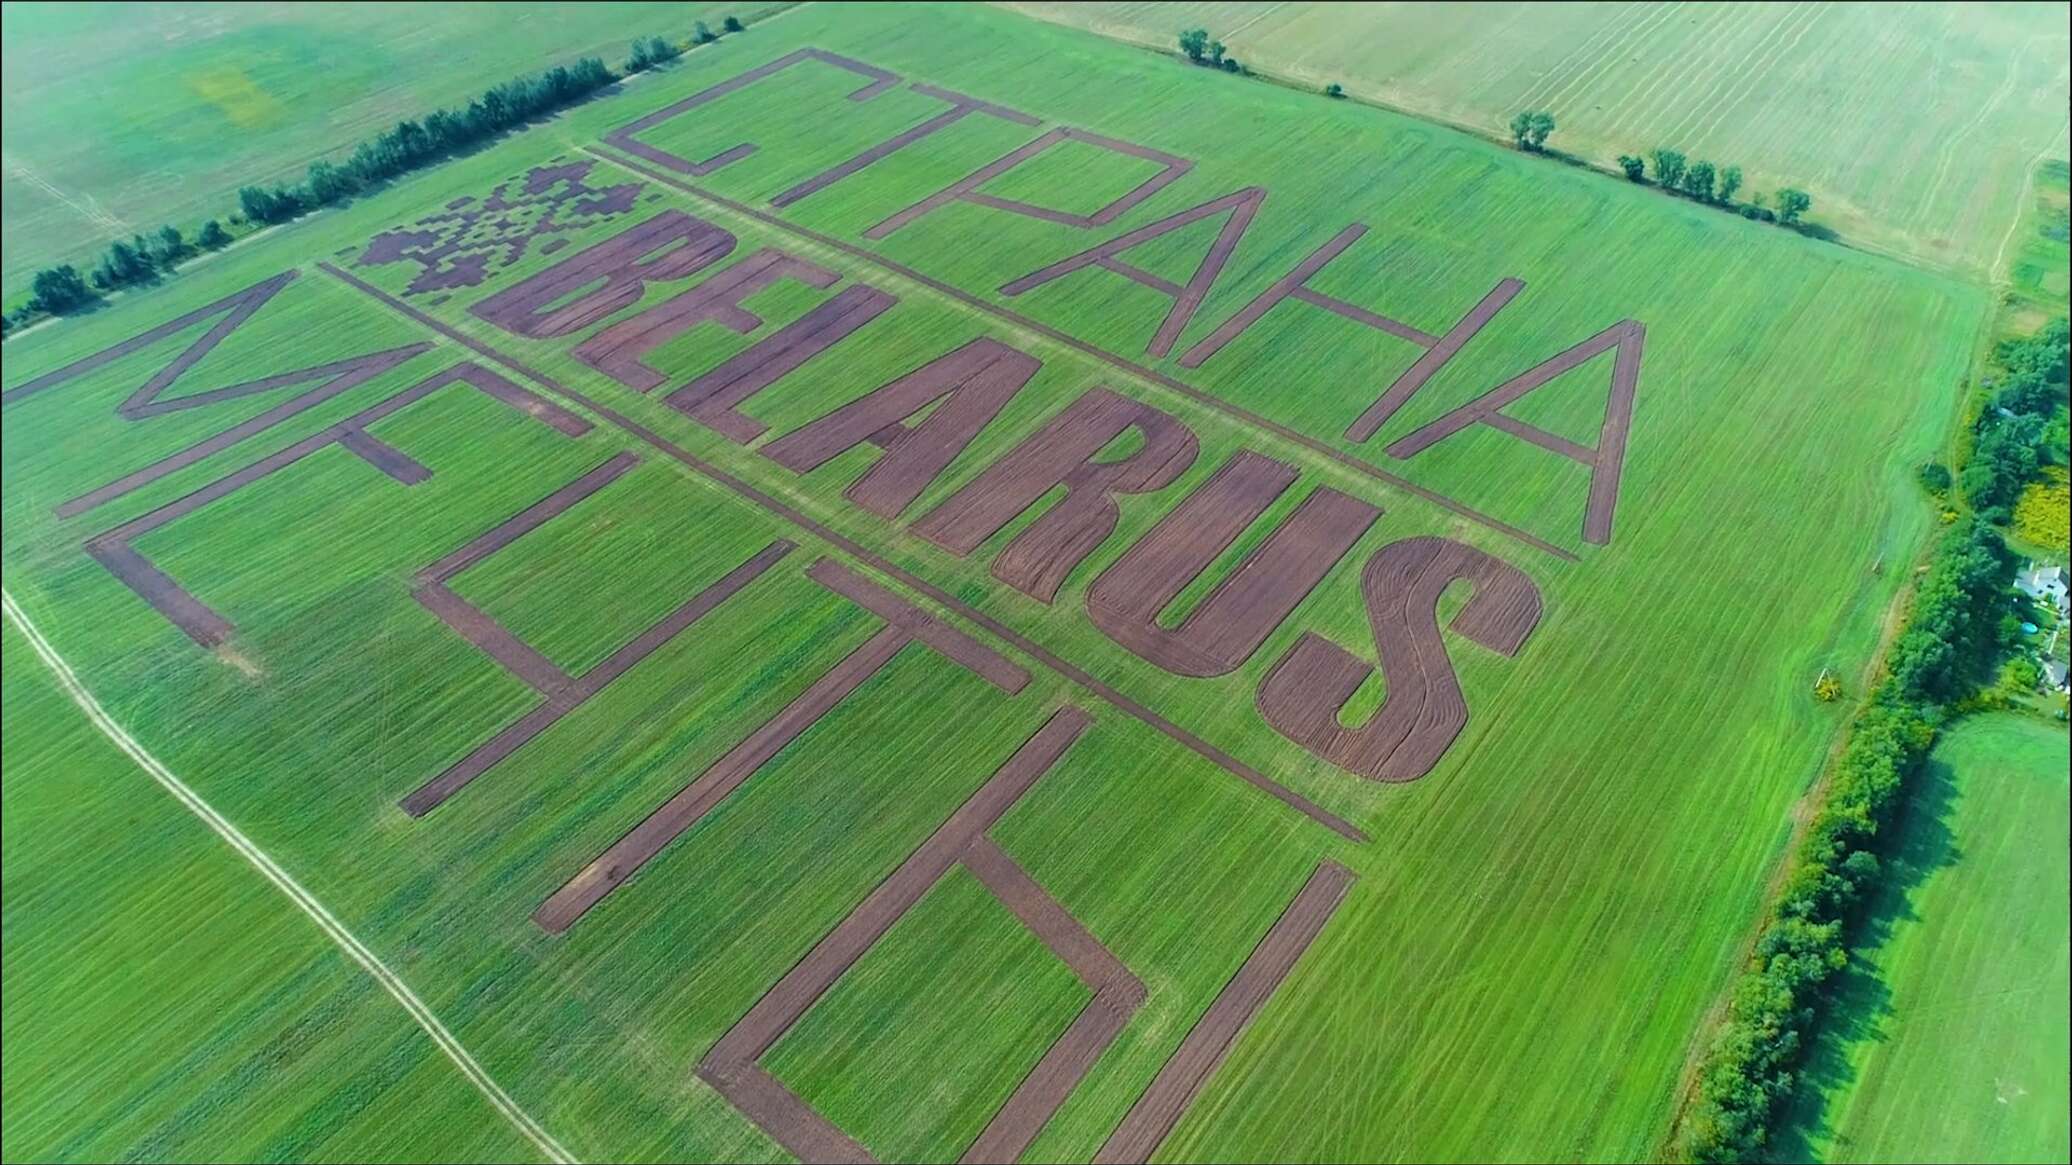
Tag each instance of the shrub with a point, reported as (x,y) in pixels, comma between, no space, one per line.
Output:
(2043,513)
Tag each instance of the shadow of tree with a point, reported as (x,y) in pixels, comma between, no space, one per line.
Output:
(1859,1008)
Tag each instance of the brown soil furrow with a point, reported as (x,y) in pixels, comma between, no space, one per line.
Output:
(712,397)
(405,469)
(1435,358)
(530,518)
(625,857)
(1143,372)
(878,80)
(1079,676)
(995,668)
(1152,1118)
(574,691)
(961,107)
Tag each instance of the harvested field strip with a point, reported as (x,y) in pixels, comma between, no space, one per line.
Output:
(1140,371)
(283,881)
(1079,676)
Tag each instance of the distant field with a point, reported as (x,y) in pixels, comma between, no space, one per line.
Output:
(1912,125)
(1956,1025)
(122,118)
(627,571)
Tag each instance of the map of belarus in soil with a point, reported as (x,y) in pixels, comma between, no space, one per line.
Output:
(461,245)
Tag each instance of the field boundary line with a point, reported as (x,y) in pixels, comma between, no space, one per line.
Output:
(286,884)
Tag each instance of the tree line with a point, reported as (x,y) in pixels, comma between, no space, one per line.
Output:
(1959,626)
(1704,182)
(409,145)
(1956,629)
(2021,420)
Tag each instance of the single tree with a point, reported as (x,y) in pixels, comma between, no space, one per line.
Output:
(1698,181)
(329,184)
(1934,477)
(213,235)
(1521,129)
(125,263)
(1729,182)
(1334,89)
(168,247)
(1216,51)
(1231,65)
(1792,205)
(59,289)
(731,24)
(1635,168)
(1542,125)
(1669,169)
(1195,43)
(702,33)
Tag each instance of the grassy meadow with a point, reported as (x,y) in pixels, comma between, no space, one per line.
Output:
(1953,1028)
(122,118)
(1539,925)
(1912,125)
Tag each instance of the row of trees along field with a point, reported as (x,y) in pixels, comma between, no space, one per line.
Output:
(409,145)
(1959,627)
(1953,635)
(1704,182)
(1699,181)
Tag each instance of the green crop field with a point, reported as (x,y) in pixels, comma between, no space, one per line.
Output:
(1914,126)
(163,1000)
(262,587)
(1955,1043)
(122,118)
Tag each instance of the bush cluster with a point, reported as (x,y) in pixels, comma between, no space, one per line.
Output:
(2014,432)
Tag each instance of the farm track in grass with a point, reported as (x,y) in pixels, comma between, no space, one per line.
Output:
(614,564)
(278,877)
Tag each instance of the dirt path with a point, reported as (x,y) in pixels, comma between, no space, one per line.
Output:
(260,860)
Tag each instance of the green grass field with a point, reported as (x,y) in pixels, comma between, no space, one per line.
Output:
(163,1000)
(1954,1029)
(123,118)
(1913,126)
(1538,926)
